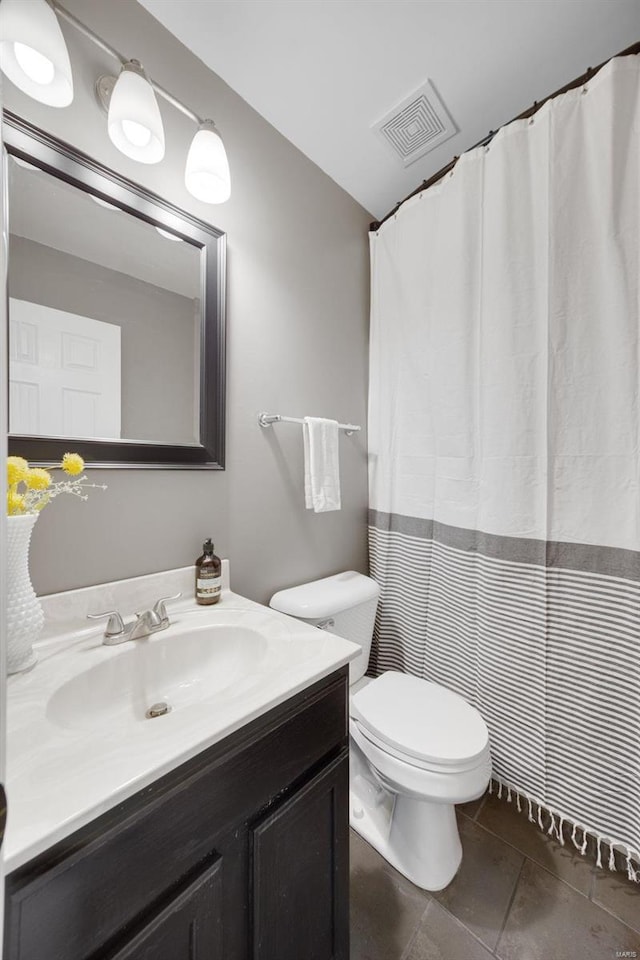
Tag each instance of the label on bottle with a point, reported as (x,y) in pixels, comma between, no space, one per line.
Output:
(208,586)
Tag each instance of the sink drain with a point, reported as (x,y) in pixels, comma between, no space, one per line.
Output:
(157,710)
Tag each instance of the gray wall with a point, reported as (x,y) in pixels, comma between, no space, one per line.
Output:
(297,342)
(159,331)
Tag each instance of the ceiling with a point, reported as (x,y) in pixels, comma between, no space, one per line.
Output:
(322,72)
(107,236)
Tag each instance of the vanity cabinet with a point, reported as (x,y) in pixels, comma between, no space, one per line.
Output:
(241,853)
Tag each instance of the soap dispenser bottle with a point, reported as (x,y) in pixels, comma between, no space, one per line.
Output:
(208,576)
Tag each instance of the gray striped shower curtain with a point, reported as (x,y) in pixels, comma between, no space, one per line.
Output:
(504,450)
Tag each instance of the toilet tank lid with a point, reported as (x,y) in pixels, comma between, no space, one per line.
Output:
(326,597)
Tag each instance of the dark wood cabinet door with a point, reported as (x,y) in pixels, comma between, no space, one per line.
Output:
(188,927)
(300,872)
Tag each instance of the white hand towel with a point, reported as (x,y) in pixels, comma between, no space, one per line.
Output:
(321,464)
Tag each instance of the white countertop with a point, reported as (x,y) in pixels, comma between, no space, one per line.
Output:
(61,775)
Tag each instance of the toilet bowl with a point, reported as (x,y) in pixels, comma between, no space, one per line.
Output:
(416,748)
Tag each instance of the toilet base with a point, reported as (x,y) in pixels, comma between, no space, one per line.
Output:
(417,837)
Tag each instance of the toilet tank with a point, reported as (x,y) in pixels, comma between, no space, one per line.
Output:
(344,604)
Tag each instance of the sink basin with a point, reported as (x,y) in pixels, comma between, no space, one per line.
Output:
(179,669)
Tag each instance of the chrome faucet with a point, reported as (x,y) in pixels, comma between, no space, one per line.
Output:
(146,623)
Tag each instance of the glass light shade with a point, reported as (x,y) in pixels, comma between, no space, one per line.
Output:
(103,203)
(36,66)
(207,174)
(33,54)
(168,236)
(134,122)
(25,164)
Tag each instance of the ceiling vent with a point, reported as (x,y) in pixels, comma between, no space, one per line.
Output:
(418,124)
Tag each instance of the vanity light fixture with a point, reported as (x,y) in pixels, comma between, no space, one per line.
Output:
(33,53)
(134,121)
(34,56)
(135,127)
(207,172)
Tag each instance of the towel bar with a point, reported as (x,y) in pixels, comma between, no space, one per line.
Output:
(266,419)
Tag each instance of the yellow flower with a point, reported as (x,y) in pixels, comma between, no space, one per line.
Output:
(38,479)
(72,463)
(15,503)
(17,470)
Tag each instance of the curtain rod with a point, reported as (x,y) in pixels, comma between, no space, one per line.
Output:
(529,112)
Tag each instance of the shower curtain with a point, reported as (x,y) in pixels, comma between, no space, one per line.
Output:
(504,439)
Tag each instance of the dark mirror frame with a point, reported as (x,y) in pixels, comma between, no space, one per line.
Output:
(22,139)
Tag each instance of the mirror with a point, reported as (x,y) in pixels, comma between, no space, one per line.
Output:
(116,315)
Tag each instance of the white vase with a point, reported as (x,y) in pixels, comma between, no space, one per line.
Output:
(25,618)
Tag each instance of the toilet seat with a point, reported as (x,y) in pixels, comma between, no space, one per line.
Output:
(420,723)
(447,769)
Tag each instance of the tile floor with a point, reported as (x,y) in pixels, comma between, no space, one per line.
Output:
(519,895)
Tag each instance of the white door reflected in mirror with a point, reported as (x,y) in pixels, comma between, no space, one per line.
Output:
(64,373)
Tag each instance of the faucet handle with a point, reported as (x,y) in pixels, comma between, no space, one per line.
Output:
(115,626)
(147,619)
(159,606)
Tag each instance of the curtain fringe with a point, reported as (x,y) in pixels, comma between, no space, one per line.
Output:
(556,829)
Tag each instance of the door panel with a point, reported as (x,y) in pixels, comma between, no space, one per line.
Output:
(300,872)
(188,928)
(65,373)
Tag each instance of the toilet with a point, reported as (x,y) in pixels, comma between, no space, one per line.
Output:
(417,748)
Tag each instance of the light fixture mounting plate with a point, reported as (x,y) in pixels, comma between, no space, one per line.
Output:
(104,89)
